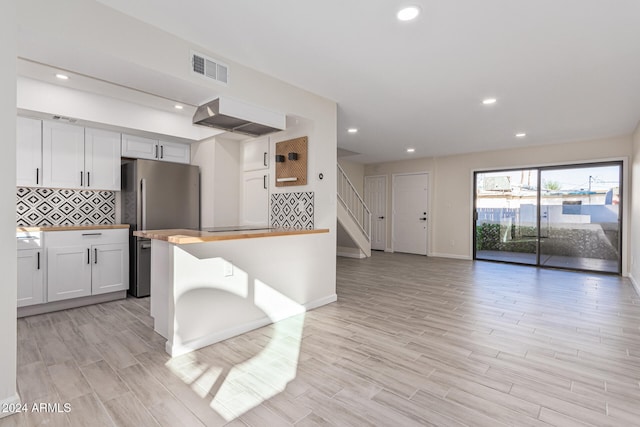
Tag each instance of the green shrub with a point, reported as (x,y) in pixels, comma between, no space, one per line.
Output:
(487,237)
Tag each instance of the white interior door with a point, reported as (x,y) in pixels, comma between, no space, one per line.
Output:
(410,213)
(375,196)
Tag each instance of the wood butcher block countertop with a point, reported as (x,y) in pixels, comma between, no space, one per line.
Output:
(70,227)
(184,236)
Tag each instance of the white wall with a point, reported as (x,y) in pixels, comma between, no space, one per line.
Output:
(227,190)
(8,290)
(388,169)
(451,185)
(355,173)
(203,155)
(452,234)
(634,234)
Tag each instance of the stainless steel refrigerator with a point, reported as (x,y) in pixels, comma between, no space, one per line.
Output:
(156,195)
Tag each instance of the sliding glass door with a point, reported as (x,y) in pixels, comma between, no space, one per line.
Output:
(566,217)
(506,206)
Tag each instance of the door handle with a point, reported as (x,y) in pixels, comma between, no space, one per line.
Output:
(95,255)
(264,159)
(81,178)
(88,256)
(143,207)
(422,219)
(162,151)
(38,267)
(264,182)
(37,176)
(155,154)
(88,179)
(380,217)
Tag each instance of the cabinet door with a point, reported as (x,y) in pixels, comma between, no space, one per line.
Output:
(68,272)
(30,277)
(110,269)
(175,152)
(255,154)
(139,147)
(102,159)
(28,152)
(255,198)
(62,155)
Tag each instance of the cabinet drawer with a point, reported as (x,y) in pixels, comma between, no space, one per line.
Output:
(86,237)
(29,240)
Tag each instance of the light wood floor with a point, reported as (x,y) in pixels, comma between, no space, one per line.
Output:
(411,341)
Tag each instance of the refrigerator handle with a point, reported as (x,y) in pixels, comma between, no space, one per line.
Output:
(143,202)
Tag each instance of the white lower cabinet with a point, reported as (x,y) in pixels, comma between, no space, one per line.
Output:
(69,272)
(30,277)
(31,268)
(83,263)
(110,268)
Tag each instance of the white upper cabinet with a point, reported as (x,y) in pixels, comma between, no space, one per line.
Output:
(255,154)
(75,157)
(102,160)
(62,155)
(139,147)
(28,152)
(255,198)
(175,152)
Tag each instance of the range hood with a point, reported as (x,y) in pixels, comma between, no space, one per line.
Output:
(237,116)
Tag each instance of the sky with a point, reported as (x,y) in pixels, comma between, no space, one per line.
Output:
(576,179)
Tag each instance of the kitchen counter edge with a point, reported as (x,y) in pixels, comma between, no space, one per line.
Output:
(34,229)
(185,237)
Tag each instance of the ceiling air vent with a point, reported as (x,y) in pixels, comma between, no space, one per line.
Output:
(210,68)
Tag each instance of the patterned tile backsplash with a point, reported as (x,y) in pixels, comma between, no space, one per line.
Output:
(292,210)
(49,206)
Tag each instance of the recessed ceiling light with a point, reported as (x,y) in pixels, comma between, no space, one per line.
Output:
(178,107)
(521,135)
(62,76)
(411,150)
(408,13)
(489,101)
(352,130)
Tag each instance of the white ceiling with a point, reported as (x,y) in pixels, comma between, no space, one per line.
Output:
(561,70)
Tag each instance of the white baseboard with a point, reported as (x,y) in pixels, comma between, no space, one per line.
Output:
(8,403)
(348,252)
(179,349)
(390,250)
(49,307)
(634,283)
(453,256)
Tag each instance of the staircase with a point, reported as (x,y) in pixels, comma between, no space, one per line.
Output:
(353,216)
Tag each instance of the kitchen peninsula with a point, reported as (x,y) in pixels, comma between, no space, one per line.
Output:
(210,285)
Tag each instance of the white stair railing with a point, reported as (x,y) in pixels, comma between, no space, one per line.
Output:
(354,204)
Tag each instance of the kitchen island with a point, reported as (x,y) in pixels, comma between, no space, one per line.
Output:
(210,285)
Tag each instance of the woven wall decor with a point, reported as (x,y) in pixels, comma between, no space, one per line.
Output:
(293,169)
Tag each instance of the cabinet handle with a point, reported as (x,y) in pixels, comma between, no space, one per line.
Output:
(95,255)
(155,155)
(88,179)
(88,256)
(264,182)
(37,176)
(38,265)
(162,151)
(81,179)
(264,159)
(92,234)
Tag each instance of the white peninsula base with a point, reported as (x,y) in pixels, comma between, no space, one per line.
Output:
(203,293)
